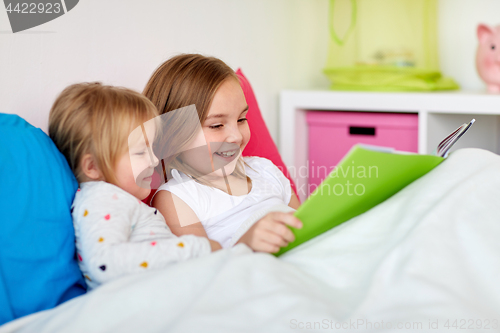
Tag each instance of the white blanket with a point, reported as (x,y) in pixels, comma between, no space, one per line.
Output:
(426,257)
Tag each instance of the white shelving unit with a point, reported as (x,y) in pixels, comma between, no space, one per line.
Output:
(439,113)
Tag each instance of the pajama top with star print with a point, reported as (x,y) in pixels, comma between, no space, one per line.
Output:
(117,234)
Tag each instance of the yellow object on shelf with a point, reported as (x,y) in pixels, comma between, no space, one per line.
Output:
(386,45)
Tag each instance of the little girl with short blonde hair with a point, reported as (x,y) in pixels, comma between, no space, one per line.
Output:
(106,134)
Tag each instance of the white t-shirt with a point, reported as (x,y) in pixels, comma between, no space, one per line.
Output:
(222,214)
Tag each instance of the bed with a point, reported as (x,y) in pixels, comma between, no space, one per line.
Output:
(428,258)
(425,259)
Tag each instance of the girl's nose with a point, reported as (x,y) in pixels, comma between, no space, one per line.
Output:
(154,160)
(234,136)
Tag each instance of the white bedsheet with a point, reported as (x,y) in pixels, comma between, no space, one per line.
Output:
(429,254)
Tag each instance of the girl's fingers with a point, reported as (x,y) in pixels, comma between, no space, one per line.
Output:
(280,229)
(275,239)
(276,224)
(268,247)
(287,218)
(276,233)
(288,236)
(271,232)
(266,235)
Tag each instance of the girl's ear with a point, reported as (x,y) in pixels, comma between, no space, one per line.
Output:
(89,168)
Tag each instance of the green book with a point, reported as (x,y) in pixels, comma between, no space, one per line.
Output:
(365,177)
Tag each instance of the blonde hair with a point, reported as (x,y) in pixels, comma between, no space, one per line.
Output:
(179,82)
(91,118)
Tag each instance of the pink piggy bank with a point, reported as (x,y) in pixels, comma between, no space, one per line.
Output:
(488,56)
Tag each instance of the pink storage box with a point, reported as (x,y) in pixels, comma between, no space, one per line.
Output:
(333,133)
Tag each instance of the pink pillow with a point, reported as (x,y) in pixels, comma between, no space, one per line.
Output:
(261,143)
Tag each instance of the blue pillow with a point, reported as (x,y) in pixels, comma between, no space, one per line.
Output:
(38,269)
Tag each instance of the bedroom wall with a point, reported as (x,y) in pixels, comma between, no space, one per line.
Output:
(280,44)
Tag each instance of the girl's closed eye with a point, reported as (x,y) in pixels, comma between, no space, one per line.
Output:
(140,152)
(216,126)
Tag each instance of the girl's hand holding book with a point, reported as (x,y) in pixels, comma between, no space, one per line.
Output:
(271,232)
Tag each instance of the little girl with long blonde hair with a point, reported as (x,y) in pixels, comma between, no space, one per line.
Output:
(210,190)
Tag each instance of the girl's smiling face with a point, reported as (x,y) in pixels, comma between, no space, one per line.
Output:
(225,131)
